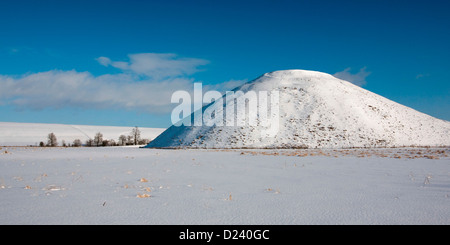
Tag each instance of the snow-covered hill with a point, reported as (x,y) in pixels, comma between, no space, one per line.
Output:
(317,110)
(24,134)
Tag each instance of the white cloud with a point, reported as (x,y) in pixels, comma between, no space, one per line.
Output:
(58,89)
(146,85)
(104,61)
(156,65)
(121,65)
(358,78)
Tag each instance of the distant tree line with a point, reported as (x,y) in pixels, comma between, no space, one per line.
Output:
(134,138)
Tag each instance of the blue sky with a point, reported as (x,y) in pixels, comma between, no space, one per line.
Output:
(117,62)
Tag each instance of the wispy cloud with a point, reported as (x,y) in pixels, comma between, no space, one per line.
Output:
(358,78)
(156,65)
(421,75)
(104,61)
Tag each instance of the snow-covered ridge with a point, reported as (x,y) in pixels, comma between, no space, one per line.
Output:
(317,110)
(25,134)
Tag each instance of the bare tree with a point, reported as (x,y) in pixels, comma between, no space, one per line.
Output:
(106,143)
(76,143)
(144,141)
(129,140)
(98,139)
(89,142)
(122,140)
(51,140)
(136,135)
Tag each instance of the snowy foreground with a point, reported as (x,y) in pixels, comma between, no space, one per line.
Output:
(123,185)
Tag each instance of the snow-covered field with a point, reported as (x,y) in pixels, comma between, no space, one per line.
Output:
(26,134)
(130,185)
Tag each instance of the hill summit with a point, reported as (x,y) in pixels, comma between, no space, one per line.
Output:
(314,110)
